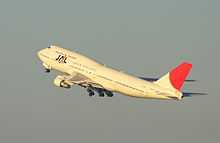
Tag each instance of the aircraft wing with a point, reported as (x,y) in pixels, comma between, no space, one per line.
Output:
(67,81)
(79,79)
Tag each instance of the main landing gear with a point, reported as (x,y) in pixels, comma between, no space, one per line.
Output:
(109,93)
(99,91)
(90,91)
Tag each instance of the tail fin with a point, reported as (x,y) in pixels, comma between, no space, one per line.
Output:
(176,77)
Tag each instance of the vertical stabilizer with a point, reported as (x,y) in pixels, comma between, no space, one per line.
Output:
(176,77)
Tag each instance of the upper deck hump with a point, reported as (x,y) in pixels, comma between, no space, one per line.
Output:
(74,55)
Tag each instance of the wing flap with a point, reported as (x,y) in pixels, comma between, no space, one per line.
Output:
(81,80)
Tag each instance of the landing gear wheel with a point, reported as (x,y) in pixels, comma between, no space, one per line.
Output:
(47,70)
(91,92)
(101,94)
(109,93)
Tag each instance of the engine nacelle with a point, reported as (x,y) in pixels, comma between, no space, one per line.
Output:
(60,82)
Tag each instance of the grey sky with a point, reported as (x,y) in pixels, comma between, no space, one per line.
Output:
(145,38)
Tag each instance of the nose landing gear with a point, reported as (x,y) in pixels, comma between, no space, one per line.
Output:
(47,68)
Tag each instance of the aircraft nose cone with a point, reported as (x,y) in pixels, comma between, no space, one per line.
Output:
(39,54)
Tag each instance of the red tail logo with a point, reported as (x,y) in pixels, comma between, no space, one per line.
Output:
(179,74)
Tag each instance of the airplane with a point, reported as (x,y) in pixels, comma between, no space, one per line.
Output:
(104,81)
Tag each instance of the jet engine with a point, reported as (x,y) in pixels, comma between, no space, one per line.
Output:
(60,82)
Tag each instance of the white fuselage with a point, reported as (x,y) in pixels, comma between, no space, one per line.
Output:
(110,79)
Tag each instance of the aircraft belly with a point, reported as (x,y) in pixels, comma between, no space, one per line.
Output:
(61,68)
(156,96)
(138,94)
(105,84)
(129,92)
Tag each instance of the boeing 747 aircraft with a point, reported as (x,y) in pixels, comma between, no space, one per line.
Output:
(97,78)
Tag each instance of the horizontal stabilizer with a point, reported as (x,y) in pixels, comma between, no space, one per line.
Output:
(190,94)
(155,79)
